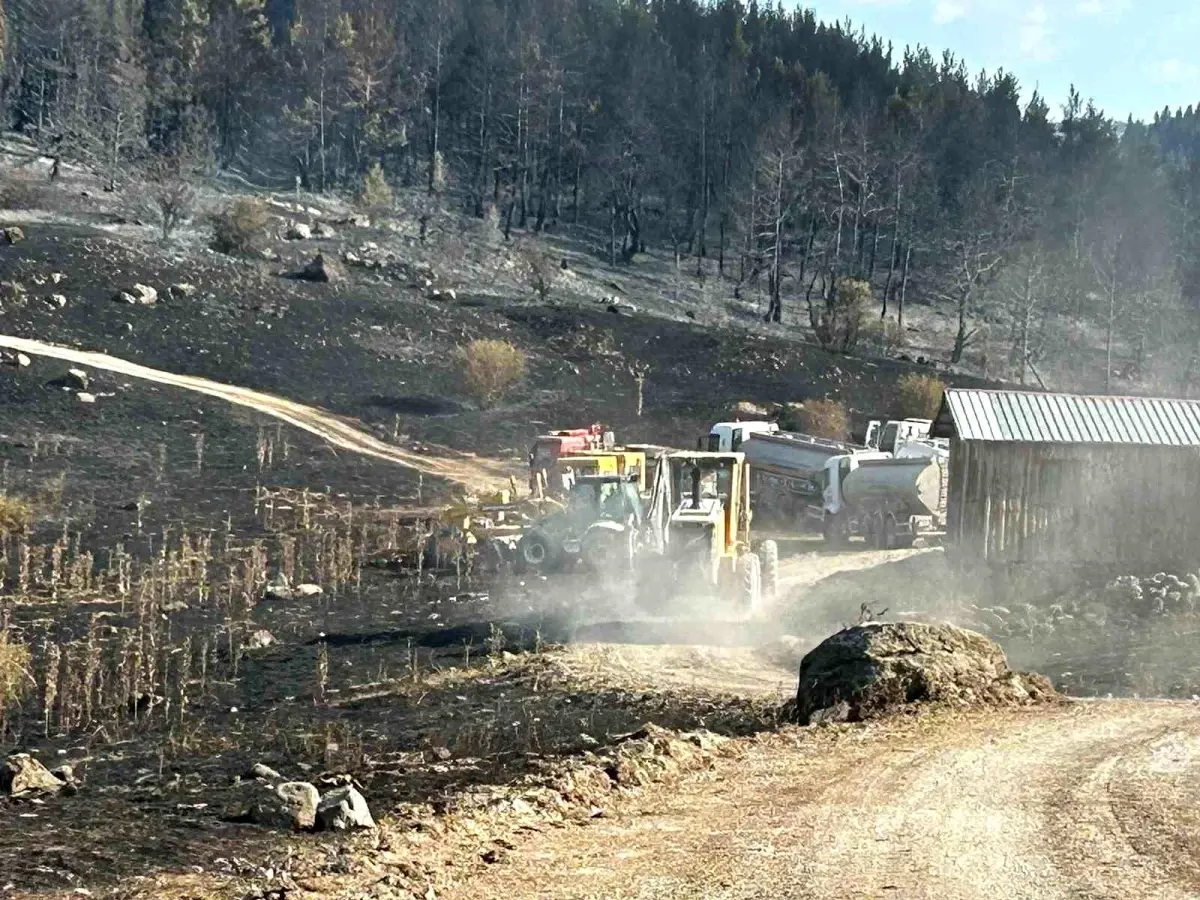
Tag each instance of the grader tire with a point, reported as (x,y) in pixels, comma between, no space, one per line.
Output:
(751,589)
(768,554)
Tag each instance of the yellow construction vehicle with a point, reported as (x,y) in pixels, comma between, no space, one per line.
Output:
(618,462)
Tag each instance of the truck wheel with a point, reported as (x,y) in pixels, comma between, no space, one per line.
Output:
(888,533)
(751,584)
(535,553)
(768,554)
(833,529)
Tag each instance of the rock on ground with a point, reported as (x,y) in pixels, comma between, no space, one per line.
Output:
(22,774)
(321,269)
(138,295)
(292,804)
(298,231)
(343,808)
(876,668)
(12,235)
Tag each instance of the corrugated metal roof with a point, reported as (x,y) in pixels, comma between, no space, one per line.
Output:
(1028,417)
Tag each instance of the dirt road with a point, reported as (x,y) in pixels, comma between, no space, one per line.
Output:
(472,473)
(1098,800)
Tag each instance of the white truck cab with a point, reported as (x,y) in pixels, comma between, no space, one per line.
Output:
(892,436)
(727,437)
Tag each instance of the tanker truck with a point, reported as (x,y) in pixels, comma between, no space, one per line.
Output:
(891,502)
(786,476)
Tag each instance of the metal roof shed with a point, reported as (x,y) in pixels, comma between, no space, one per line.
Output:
(1071,478)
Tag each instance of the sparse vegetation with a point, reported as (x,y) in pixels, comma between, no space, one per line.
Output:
(172,202)
(920,395)
(240,226)
(16,515)
(22,193)
(377,193)
(15,677)
(838,320)
(827,419)
(538,270)
(491,369)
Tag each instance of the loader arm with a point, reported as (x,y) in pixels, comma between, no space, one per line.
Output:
(660,506)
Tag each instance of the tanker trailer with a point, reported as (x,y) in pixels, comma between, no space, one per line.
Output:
(786,476)
(889,502)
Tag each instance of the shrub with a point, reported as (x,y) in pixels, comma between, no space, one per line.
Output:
(920,396)
(172,201)
(839,319)
(376,192)
(15,514)
(537,270)
(15,679)
(492,369)
(827,419)
(238,228)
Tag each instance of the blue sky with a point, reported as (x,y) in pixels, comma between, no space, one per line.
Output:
(1130,56)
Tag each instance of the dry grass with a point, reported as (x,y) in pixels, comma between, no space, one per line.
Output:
(827,419)
(22,193)
(239,227)
(492,369)
(15,678)
(16,515)
(920,396)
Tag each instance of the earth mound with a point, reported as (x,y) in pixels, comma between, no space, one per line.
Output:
(873,669)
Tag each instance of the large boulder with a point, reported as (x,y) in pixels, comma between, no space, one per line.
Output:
(343,808)
(12,234)
(321,269)
(876,668)
(22,775)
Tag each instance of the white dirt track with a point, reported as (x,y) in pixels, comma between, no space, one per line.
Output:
(1098,800)
(472,473)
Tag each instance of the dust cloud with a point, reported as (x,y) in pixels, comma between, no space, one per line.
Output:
(1092,634)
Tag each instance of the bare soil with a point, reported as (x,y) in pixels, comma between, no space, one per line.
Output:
(1096,801)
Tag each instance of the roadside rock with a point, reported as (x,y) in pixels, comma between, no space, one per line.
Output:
(138,295)
(343,808)
(265,772)
(78,378)
(301,800)
(321,269)
(292,804)
(324,231)
(22,774)
(85,397)
(11,358)
(12,235)
(873,669)
(298,231)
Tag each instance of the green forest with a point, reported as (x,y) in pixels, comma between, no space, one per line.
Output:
(748,139)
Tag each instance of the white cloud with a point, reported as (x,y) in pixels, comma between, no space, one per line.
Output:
(1035,35)
(1096,8)
(1176,71)
(947,11)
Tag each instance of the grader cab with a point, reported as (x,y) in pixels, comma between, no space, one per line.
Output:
(698,521)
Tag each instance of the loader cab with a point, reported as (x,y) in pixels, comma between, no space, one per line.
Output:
(728,437)
(594,497)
